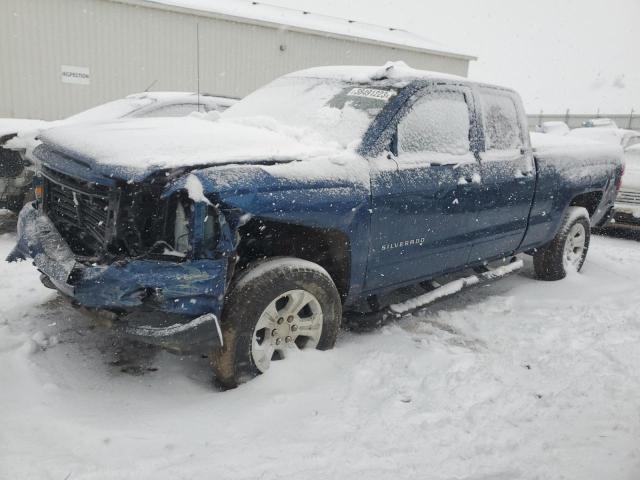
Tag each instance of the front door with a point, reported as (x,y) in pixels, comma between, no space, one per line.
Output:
(423,192)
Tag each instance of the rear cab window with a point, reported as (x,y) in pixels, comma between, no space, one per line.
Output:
(436,129)
(503,124)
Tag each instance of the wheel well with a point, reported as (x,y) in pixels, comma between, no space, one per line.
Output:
(328,248)
(589,200)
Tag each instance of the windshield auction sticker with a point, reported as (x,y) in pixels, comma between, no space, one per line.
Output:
(371,93)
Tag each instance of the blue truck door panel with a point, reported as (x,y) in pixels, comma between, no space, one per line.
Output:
(423,197)
(508,179)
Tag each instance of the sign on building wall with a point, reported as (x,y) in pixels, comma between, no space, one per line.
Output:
(78,75)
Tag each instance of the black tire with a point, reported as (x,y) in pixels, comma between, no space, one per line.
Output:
(249,296)
(549,261)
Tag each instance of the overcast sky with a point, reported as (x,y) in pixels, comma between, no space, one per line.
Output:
(559,54)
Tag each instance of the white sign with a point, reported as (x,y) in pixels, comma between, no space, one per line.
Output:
(371,93)
(78,75)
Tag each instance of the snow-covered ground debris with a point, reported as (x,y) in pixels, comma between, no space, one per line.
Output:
(515,379)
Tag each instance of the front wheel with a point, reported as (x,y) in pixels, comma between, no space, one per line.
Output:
(568,250)
(276,306)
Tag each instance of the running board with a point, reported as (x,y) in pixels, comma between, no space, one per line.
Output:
(450,288)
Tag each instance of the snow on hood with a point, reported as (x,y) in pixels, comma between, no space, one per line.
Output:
(136,147)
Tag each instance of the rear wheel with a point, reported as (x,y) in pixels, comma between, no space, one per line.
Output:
(568,250)
(275,307)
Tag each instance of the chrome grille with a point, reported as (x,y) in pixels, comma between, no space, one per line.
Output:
(628,196)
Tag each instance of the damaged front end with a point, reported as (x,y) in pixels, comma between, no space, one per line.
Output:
(156,259)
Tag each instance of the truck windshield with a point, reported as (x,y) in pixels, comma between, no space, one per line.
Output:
(338,110)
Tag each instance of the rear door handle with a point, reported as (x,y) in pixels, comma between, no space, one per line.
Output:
(523,177)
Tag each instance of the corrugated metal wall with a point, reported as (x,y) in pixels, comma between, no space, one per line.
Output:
(127,48)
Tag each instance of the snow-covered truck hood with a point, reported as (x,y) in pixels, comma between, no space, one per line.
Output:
(132,149)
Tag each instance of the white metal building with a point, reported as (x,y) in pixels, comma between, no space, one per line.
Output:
(58,57)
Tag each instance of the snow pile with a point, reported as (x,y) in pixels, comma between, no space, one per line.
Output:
(515,379)
(24,133)
(10,126)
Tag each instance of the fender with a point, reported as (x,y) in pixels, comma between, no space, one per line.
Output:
(335,195)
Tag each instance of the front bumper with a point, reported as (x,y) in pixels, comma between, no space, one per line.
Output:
(173,304)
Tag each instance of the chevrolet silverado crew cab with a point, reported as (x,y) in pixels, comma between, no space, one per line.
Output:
(249,234)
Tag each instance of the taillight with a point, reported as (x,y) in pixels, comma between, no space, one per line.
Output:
(619,179)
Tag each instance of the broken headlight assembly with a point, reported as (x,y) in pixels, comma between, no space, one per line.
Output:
(192,230)
(181,228)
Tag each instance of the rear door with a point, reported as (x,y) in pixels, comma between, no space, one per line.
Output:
(508,176)
(423,192)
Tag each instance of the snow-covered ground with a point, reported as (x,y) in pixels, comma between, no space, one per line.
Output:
(517,379)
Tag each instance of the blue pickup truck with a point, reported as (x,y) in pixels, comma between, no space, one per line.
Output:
(247,235)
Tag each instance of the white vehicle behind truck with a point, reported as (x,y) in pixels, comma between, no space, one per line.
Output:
(627,206)
(626,211)
(18,136)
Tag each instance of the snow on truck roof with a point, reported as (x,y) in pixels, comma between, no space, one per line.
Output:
(264,13)
(397,74)
(398,71)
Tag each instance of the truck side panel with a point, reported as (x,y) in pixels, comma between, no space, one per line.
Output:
(562,182)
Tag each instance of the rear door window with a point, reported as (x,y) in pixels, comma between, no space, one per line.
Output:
(438,122)
(501,121)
